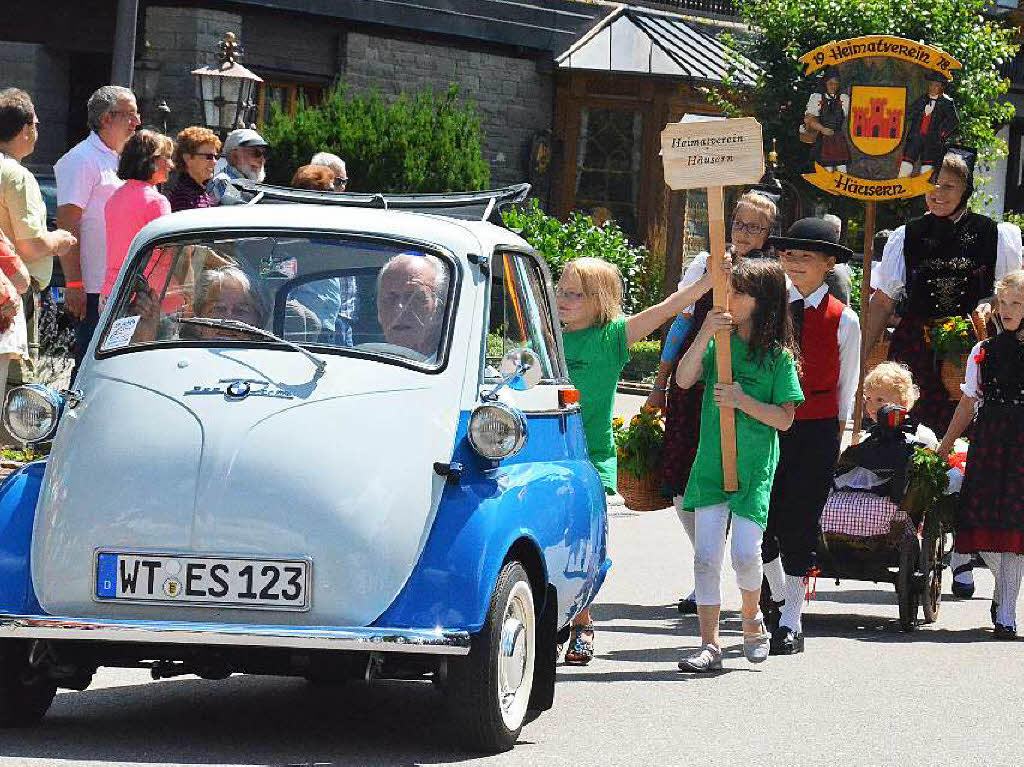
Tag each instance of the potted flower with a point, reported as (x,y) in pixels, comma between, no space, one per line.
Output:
(638,447)
(951,339)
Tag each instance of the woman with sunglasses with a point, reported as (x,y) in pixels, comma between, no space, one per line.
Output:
(195,156)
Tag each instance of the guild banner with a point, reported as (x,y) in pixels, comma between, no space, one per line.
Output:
(878,118)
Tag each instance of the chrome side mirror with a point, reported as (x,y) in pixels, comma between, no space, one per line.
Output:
(520,370)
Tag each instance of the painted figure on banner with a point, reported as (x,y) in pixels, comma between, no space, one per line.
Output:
(824,119)
(932,123)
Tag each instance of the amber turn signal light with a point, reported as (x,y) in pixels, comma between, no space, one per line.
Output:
(568,397)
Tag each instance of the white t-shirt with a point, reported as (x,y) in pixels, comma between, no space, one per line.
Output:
(86,177)
(891,276)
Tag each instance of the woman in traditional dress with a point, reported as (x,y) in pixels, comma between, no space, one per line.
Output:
(826,113)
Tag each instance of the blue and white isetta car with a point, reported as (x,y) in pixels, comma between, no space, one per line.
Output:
(328,436)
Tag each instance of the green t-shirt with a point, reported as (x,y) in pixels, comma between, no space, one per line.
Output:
(757,445)
(596,357)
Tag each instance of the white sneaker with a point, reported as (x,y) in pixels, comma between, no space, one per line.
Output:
(707,658)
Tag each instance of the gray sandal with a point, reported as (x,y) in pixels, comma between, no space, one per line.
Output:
(756,646)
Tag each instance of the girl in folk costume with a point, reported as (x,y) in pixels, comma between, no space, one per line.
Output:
(991,516)
(753,218)
(826,113)
(596,339)
(944,263)
(765,396)
(829,335)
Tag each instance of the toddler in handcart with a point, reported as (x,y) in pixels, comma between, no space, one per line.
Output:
(871,477)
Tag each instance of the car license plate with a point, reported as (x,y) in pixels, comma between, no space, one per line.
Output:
(215,581)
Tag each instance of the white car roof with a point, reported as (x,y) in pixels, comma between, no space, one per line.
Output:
(459,236)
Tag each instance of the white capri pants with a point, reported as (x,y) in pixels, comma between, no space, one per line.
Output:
(710,526)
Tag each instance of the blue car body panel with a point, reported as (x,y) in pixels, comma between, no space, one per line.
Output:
(549,495)
(19,494)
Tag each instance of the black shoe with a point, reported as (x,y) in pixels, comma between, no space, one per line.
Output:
(963,590)
(687,606)
(993,610)
(1005,632)
(772,614)
(785,641)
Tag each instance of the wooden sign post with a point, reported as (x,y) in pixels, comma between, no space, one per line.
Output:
(714,155)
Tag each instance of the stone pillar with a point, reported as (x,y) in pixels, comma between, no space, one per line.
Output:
(124,43)
(183,39)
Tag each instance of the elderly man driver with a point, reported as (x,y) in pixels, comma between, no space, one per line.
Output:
(411,292)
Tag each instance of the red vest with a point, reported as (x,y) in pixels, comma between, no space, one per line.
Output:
(819,347)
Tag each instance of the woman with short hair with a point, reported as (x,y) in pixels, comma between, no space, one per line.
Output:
(145,163)
(195,156)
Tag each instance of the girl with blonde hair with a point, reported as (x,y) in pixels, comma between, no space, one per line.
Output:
(597,336)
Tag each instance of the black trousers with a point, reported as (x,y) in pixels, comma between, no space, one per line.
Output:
(809,451)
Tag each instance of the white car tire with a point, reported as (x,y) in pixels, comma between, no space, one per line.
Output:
(25,697)
(489,691)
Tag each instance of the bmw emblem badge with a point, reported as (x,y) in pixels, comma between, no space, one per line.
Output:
(238,390)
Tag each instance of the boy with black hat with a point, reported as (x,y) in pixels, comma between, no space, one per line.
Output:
(829,335)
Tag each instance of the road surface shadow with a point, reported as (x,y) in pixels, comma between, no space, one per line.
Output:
(873,628)
(244,720)
(884,594)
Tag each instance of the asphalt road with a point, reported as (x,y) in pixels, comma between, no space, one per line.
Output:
(863,694)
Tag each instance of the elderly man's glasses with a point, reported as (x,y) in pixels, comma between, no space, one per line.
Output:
(132,116)
(340,183)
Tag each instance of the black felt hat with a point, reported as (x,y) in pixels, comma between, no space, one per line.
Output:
(935,77)
(814,234)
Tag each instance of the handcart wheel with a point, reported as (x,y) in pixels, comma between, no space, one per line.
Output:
(931,566)
(907,592)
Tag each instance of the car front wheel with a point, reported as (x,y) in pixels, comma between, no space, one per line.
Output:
(489,690)
(25,696)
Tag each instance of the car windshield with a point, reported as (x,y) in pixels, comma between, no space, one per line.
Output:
(331,294)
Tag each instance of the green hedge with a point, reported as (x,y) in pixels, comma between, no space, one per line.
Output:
(425,142)
(644,357)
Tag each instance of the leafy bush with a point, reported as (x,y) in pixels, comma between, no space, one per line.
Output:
(560,243)
(644,357)
(856,280)
(423,143)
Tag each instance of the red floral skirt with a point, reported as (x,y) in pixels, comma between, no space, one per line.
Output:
(682,435)
(934,409)
(991,514)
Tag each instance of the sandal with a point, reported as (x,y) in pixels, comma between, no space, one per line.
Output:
(580,651)
(756,646)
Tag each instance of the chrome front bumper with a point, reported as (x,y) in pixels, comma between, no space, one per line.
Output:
(416,641)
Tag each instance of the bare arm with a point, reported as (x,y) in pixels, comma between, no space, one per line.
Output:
(779,417)
(69,217)
(962,418)
(642,324)
(657,396)
(692,364)
(49,245)
(879,311)
(20,279)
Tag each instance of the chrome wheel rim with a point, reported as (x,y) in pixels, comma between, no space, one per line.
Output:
(516,655)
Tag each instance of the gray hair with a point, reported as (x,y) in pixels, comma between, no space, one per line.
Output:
(211,280)
(328,160)
(104,100)
(835,222)
(402,259)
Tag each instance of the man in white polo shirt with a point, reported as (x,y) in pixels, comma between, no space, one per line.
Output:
(86,177)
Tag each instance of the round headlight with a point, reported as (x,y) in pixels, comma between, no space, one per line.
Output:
(497,431)
(31,412)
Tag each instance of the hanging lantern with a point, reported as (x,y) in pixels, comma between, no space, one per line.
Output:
(227,91)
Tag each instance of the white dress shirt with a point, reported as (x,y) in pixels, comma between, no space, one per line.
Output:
(891,276)
(849,348)
(86,177)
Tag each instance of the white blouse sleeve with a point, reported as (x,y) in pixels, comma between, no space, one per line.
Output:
(1008,249)
(845,101)
(849,362)
(972,376)
(891,276)
(813,105)
(693,274)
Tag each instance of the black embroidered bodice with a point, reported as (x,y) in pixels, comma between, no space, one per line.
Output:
(831,113)
(950,266)
(1002,371)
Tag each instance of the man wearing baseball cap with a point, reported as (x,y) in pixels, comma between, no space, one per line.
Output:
(244,156)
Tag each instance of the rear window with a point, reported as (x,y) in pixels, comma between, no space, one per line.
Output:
(330,294)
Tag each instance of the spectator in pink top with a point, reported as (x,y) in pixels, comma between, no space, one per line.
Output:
(145,162)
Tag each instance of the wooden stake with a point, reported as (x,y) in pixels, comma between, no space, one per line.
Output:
(723,341)
(865,295)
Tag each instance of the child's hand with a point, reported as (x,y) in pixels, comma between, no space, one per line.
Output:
(717,319)
(728,395)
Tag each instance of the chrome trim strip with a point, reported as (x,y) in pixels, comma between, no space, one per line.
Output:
(417,641)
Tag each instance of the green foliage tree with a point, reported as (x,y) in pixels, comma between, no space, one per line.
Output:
(783,30)
(559,243)
(426,142)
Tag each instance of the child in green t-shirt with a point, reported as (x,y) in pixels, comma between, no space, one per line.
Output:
(765,395)
(596,339)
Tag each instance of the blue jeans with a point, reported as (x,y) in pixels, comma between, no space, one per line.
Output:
(84,330)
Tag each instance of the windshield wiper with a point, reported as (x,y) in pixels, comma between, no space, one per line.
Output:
(245,327)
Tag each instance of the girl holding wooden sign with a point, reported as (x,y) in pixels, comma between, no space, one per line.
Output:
(767,392)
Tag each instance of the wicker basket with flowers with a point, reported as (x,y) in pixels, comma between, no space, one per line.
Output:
(951,339)
(638,447)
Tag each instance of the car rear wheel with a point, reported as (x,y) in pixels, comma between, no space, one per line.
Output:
(25,696)
(489,690)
